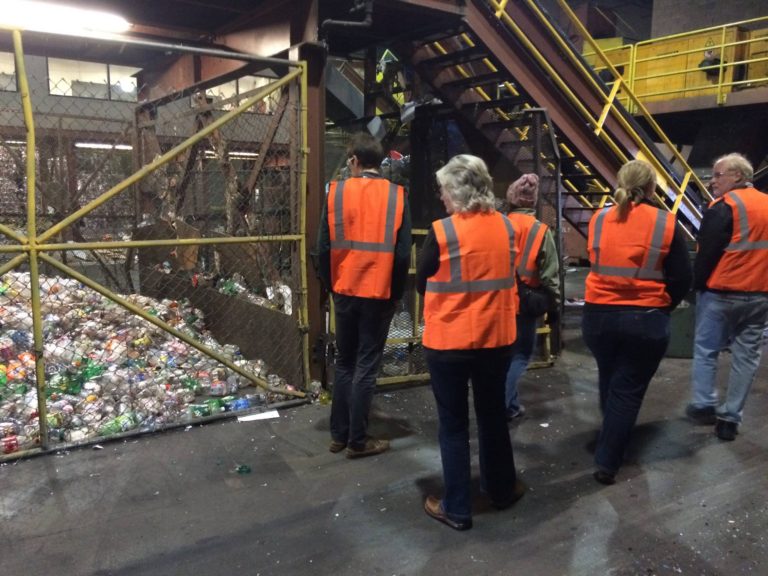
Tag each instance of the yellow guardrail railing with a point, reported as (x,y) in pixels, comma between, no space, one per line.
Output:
(34,245)
(674,187)
(714,61)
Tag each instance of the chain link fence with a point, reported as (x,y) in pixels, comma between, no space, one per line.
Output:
(151,252)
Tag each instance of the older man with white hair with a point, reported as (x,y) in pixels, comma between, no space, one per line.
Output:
(731,279)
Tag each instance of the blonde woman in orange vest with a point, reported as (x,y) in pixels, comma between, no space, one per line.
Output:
(640,271)
(364,250)
(731,280)
(467,275)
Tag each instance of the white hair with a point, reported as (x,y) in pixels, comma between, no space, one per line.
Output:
(466,181)
(738,163)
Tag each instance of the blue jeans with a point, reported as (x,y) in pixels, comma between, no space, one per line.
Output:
(450,385)
(628,346)
(362,325)
(522,351)
(727,319)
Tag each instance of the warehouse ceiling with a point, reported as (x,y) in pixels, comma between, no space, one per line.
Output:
(192,18)
(207,22)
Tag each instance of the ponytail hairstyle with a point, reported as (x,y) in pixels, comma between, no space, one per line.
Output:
(636,182)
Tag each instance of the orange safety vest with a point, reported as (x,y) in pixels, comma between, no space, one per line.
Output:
(469,303)
(627,257)
(744,265)
(530,236)
(364,216)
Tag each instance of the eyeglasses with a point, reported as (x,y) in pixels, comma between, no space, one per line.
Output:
(720,174)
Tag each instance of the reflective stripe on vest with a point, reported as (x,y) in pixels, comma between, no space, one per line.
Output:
(456,283)
(744,244)
(535,237)
(340,243)
(650,271)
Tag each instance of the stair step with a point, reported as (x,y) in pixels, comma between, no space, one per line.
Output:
(585,193)
(472,81)
(501,124)
(579,177)
(456,57)
(505,103)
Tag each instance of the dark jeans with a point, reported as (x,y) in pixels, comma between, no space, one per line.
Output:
(487,369)
(628,346)
(362,325)
(522,350)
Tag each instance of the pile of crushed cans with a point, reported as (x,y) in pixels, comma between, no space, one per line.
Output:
(108,371)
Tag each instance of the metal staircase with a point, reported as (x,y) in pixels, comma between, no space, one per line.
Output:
(507,65)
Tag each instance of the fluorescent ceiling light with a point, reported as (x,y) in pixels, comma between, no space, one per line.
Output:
(102,146)
(59,19)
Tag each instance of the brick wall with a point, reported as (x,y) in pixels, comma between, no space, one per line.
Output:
(674,16)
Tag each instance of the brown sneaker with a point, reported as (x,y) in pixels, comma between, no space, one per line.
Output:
(372,446)
(335,446)
(434,508)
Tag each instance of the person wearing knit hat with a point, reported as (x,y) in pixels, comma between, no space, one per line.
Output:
(524,192)
(538,267)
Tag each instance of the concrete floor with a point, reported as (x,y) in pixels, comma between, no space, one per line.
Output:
(174,504)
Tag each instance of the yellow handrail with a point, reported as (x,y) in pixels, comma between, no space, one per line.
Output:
(654,64)
(688,175)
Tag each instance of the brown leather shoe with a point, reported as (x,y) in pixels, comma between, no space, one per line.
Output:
(371,447)
(434,508)
(335,446)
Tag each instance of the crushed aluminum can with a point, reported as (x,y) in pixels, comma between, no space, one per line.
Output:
(10,444)
(219,388)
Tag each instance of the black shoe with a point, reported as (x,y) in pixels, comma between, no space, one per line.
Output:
(604,477)
(517,493)
(704,415)
(434,508)
(726,430)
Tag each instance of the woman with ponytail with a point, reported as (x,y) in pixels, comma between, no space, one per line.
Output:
(640,271)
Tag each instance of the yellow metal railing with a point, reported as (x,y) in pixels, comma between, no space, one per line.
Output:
(32,247)
(715,61)
(673,187)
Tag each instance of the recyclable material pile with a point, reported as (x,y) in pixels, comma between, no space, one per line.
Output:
(109,371)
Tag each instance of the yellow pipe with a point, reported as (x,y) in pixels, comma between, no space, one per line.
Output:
(164,326)
(608,106)
(721,94)
(11,264)
(34,271)
(168,156)
(303,308)
(64,246)
(19,454)
(11,233)
(388,380)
